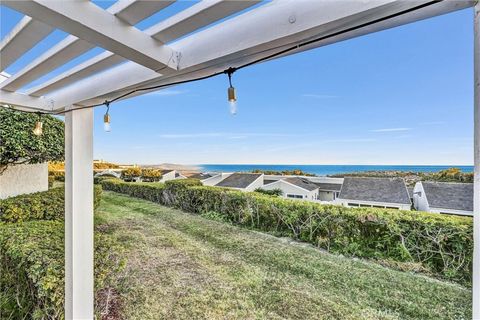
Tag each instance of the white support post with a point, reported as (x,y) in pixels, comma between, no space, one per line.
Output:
(79,214)
(476,157)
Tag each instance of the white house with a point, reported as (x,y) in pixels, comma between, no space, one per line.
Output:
(242,181)
(23,178)
(295,188)
(168,175)
(109,172)
(390,193)
(444,197)
(328,191)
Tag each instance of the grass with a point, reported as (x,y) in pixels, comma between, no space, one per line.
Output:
(182,266)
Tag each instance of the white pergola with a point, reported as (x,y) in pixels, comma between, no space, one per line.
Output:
(191,44)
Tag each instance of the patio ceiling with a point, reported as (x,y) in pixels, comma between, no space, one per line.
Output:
(206,38)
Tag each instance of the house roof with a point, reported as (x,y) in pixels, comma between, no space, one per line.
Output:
(329,186)
(390,190)
(302,183)
(165,171)
(410,192)
(239,180)
(201,176)
(449,195)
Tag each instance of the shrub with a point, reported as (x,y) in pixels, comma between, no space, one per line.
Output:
(151,175)
(18,143)
(32,269)
(98,180)
(51,179)
(58,175)
(131,173)
(442,244)
(46,205)
(274,192)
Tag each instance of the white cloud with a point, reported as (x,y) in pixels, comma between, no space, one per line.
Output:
(227,135)
(318,96)
(391,130)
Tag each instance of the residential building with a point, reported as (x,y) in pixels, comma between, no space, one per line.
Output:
(388,193)
(328,191)
(19,179)
(215,178)
(295,188)
(242,181)
(444,197)
(168,175)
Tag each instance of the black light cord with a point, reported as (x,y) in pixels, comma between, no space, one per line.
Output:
(231,70)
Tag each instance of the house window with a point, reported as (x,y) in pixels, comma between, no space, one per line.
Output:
(295,196)
(353,204)
(365,206)
(392,208)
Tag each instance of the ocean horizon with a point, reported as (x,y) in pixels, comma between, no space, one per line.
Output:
(324,170)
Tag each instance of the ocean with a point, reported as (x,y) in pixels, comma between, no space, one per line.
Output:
(323,170)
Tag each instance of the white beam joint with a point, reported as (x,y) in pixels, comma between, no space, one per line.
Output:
(95,25)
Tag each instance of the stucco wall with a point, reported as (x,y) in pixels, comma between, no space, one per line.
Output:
(23,178)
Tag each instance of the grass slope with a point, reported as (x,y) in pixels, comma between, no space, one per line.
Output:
(183,266)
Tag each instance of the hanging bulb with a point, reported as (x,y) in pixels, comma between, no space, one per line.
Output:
(38,130)
(232,95)
(106,119)
(106,123)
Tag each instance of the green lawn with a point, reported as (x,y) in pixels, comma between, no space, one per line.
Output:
(182,266)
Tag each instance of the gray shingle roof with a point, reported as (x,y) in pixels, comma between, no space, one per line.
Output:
(449,195)
(302,183)
(164,172)
(201,176)
(239,180)
(329,186)
(410,192)
(391,190)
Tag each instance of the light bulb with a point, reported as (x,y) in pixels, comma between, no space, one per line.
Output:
(38,130)
(233,107)
(232,100)
(106,122)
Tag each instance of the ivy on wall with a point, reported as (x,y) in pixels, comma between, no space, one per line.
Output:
(19,145)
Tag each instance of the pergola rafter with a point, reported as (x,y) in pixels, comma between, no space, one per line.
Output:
(188,45)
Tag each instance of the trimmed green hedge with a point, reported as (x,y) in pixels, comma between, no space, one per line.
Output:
(441,244)
(46,205)
(32,273)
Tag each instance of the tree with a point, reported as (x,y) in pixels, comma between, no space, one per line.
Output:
(19,145)
(131,173)
(151,175)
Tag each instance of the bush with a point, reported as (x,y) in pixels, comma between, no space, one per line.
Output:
(131,173)
(274,192)
(32,269)
(151,175)
(98,180)
(46,205)
(57,175)
(442,244)
(51,179)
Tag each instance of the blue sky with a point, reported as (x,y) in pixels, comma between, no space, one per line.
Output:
(400,96)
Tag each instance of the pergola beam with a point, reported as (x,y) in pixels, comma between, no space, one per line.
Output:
(196,17)
(187,21)
(72,47)
(88,22)
(24,36)
(132,11)
(218,47)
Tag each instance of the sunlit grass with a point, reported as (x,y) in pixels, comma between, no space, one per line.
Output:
(182,266)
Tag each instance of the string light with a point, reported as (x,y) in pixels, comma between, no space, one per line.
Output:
(106,118)
(232,95)
(38,130)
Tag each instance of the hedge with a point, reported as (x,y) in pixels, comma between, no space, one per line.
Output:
(31,265)
(46,205)
(440,244)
